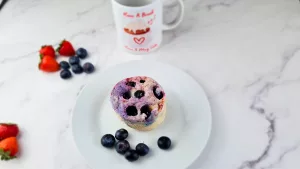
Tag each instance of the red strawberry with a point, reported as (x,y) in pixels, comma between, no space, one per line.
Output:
(66,49)
(9,148)
(47,50)
(8,130)
(48,64)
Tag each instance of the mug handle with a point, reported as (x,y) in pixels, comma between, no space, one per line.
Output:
(177,20)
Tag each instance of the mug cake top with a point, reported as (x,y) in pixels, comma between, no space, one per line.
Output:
(138,99)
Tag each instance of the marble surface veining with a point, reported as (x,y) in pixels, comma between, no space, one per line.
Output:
(245,53)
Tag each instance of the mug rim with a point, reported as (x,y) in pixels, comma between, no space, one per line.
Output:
(126,6)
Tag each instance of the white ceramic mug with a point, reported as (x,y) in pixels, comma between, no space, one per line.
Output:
(139,24)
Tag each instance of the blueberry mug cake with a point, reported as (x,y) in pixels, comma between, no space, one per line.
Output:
(140,102)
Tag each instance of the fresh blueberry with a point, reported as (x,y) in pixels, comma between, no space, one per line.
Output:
(146,110)
(77,69)
(139,94)
(158,93)
(88,67)
(132,84)
(64,65)
(121,134)
(126,95)
(108,140)
(74,60)
(131,111)
(164,142)
(142,149)
(122,146)
(65,74)
(131,155)
(142,81)
(81,53)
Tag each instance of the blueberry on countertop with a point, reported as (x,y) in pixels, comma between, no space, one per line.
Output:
(65,74)
(81,53)
(88,67)
(64,65)
(74,60)
(77,69)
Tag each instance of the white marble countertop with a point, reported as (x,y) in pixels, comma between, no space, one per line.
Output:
(245,53)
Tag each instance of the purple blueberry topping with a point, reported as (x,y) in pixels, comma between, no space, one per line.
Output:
(131,111)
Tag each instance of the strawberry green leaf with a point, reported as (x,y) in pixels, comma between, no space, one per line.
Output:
(5,155)
(60,45)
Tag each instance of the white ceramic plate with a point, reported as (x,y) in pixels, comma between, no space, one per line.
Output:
(188,120)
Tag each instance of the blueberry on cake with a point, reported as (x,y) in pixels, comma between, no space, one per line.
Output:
(140,102)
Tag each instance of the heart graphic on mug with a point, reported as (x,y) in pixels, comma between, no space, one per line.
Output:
(139,40)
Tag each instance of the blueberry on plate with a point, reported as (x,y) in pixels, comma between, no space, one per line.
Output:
(77,69)
(131,155)
(88,67)
(142,149)
(65,74)
(164,142)
(74,60)
(108,140)
(64,65)
(81,53)
(121,134)
(122,146)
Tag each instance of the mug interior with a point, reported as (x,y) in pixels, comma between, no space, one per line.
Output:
(134,3)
